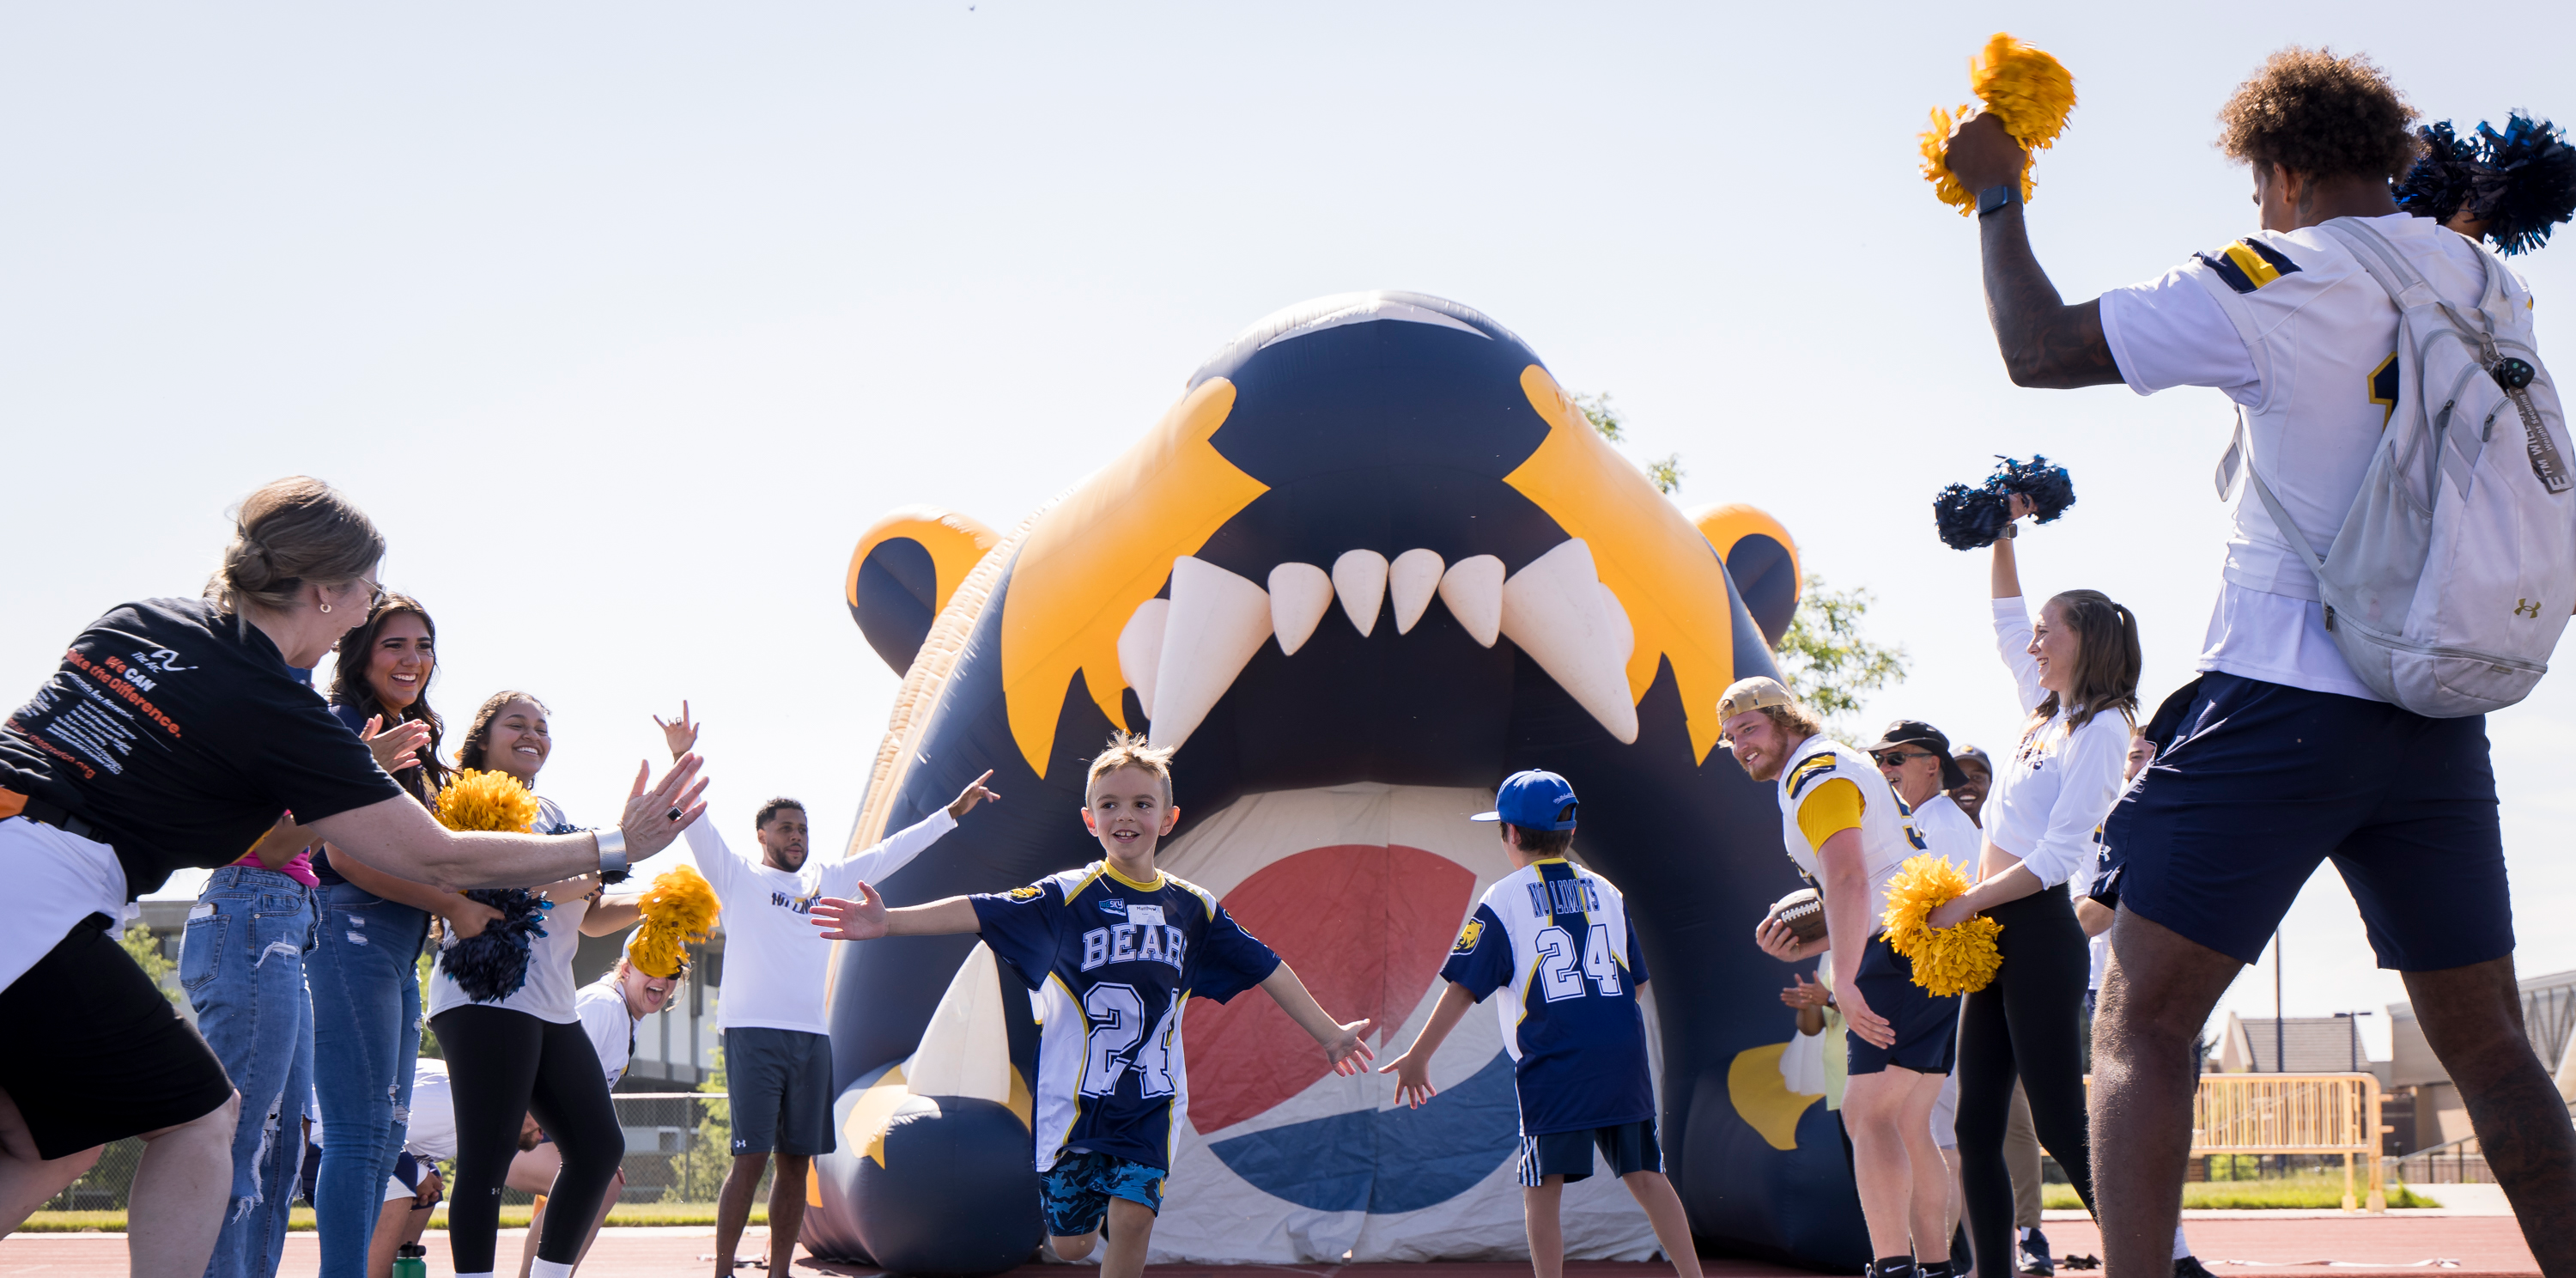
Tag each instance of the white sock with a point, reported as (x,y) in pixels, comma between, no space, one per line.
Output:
(2181,1248)
(544,1268)
(485,1274)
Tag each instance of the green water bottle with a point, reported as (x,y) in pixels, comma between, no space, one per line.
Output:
(411,1260)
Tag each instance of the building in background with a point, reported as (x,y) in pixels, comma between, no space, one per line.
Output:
(2548,1018)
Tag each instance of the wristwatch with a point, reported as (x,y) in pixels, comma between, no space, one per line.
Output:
(612,854)
(1995,197)
(2010,531)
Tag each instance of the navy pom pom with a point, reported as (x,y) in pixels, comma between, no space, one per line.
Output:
(2442,178)
(2528,185)
(1971,518)
(492,964)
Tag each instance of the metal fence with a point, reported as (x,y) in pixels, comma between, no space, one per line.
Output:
(2294,1114)
(677,1150)
(2461,1162)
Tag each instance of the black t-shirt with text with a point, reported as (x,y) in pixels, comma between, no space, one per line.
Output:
(182,734)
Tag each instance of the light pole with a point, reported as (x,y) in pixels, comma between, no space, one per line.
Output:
(2352,1026)
(2280,1035)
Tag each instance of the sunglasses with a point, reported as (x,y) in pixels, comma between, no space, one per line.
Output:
(1897,758)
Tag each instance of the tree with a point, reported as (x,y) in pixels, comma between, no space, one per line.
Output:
(1665,473)
(1828,662)
(146,951)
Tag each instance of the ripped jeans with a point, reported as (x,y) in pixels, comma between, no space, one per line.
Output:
(242,965)
(366,1038)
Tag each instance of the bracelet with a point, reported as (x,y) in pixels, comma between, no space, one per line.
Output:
(612,854)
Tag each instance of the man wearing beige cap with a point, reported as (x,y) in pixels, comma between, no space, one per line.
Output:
(1849,835)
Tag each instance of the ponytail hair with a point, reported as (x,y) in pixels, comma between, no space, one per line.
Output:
(2107,661)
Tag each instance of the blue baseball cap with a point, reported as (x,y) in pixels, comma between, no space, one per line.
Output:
(1531,801)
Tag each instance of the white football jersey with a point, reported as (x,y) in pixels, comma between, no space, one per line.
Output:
(1887,833)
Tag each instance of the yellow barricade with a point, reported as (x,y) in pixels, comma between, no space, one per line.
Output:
(2293,1114)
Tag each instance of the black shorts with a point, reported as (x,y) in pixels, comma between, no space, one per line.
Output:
(1627,1147)
(1926,1024)
(781,1086)
(2263,781)
(97,1052)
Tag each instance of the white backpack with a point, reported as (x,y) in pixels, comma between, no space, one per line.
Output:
(2455,571)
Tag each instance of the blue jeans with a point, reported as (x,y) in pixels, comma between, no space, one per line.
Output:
(242,964)
(366,1037)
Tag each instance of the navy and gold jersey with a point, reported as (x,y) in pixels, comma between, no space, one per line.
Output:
(1558,939)
(1114,962)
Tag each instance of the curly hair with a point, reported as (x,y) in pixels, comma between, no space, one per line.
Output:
(2314,113)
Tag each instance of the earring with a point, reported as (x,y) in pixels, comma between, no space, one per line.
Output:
(326,607)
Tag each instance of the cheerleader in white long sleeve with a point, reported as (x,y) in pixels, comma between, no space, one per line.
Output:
(2077,674)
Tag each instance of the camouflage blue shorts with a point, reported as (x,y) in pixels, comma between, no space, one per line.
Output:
(1078,1188)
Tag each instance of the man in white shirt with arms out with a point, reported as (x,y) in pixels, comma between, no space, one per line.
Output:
(2283,757)
(778,1048)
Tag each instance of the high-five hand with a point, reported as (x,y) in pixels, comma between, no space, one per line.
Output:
(656,816)
(861,920)
(1349,1050)
(973,794)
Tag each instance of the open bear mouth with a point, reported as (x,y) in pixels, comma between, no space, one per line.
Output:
(1182,652)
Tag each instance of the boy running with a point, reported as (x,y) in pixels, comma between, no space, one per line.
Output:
(1560,937)
(1114,950)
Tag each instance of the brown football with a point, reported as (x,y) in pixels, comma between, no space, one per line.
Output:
(1804,912)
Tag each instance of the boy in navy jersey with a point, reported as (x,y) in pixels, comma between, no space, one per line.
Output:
(1115,950)
(1558,936)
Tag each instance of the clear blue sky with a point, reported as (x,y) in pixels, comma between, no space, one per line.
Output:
(624,319)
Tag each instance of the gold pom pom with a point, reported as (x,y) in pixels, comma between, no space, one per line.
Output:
(1949,960)
(2029,88)
(1935,142)
(2025,87)
(489,801)
(679,907)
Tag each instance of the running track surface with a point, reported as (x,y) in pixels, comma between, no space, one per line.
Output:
(2477,1245)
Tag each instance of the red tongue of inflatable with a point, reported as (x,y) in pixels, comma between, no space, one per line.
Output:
(1366,928)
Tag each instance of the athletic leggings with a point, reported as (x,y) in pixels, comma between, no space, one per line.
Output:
(503,1064)
(2027,1025)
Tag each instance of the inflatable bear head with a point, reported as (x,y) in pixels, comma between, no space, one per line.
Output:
(1374,560)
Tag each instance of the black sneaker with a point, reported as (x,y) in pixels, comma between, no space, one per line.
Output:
(2032,1255)
(2190,1267)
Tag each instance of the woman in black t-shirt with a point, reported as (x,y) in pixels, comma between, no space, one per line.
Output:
(173,734)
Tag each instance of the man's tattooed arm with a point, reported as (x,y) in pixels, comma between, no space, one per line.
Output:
(2045,342)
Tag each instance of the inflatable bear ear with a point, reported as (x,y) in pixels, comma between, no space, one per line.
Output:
(906,566)
(1762,559)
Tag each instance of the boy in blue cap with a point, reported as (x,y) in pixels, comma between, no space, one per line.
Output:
(1559,937)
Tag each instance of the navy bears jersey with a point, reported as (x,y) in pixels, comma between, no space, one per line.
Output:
(1113,963)
(1557,937)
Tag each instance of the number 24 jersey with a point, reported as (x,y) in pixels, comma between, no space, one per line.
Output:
(1113,963)
(1557,938)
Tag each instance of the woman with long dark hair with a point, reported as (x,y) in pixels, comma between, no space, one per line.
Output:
(527,1053)
(174,733)
(366,988)
(2077,674)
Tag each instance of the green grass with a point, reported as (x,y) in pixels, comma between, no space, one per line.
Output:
(113,1222)
(2287,1192)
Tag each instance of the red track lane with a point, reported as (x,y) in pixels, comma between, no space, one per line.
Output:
(2480,1245)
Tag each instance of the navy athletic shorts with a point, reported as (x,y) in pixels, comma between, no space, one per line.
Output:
(2263,781)
(1627,1147)
(780,1085)
(1076,1191)
(1926,1024)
